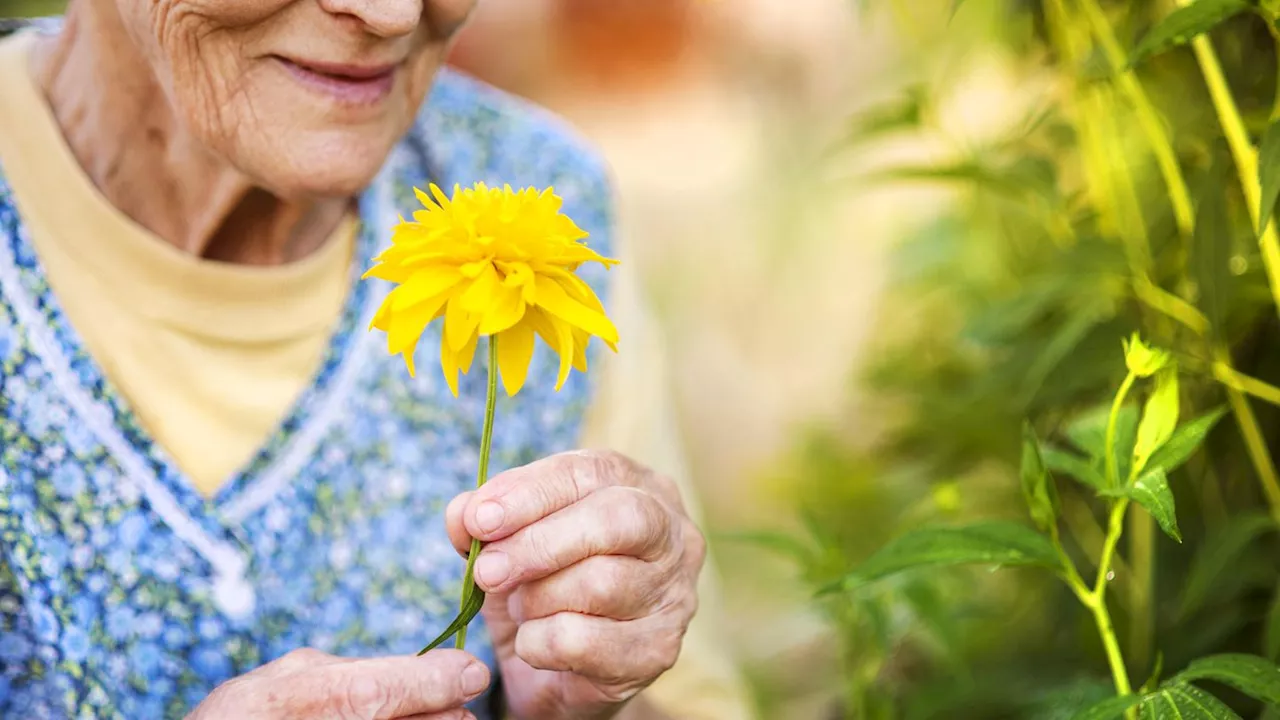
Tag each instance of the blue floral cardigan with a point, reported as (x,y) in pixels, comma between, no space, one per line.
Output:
(125,593)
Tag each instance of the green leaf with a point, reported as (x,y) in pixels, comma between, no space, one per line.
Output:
(1210,261)
(1269,174)
(1185,441)
(1037,487)
(1151,491)
(1159,418)
(1110,709)
(471,605)
(1058,348)
(1027,175)
(1271,636)
(1185,24)
(988,543)
(1068,463)
(780,543)
(1252,675)
(1218,555)
(1177,701)
(900,114)
(1088,432)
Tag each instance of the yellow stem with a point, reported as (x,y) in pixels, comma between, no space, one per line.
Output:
(482,474)
(1242,150)
(1166,303)
(1237,380)
(1256,446)
(1246,161)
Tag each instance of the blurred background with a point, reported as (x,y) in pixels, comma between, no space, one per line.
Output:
(880,235)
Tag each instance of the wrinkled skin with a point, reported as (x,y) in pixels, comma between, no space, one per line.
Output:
(590,568)
(260,167)
(311,685)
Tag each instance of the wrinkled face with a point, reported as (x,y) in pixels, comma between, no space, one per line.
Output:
(306,97)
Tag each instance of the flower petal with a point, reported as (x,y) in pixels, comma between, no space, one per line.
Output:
(451,362)
(449,365)
(558,335)
(515,351)
(506,309)
(553,299)
(467,354)
(425,285)
(580,341)
(459,325)
(405,326)
(478,297)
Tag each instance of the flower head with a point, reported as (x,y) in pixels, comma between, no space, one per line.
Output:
(1142,359)
(492,262)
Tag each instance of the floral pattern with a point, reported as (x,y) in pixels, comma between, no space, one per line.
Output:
(125,593)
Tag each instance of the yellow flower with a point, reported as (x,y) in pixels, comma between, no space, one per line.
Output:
(492,263)
(1142,359)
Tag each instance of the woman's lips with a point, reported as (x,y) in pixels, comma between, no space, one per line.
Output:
(348,84)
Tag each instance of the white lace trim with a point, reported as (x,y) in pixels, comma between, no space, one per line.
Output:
(231,592)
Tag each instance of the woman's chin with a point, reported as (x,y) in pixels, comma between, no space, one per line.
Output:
(313,175)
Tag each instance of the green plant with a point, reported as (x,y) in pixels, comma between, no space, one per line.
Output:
(1137,198)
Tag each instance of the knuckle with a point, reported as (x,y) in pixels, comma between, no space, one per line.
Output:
(614,467)
(569,642)
(363,696)
(539,553)
(695,545)
(602,581)
(667,487)
(661,653)
(302,657)
(637,514)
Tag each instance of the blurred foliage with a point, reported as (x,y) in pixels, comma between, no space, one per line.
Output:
(30,8)
(1124,202)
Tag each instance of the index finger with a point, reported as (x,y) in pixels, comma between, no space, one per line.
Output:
(395,687)
(520,497)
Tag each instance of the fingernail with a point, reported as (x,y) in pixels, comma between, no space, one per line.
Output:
(474,678)
(492,568)
(489,516)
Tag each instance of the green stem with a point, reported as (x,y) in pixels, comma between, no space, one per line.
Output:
(486,440)
(1069,572)
(1142,559)
(1094,600)
(1109,442)
(1098,604)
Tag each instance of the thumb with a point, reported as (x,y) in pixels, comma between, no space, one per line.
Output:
(393,687)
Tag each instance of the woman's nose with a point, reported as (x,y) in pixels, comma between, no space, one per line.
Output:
(385,18)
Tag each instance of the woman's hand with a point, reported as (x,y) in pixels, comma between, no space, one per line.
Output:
(311,684)
(591,566)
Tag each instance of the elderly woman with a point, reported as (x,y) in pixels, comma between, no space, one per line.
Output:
(220,498)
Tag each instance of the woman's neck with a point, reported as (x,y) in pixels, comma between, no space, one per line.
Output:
(119,125)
